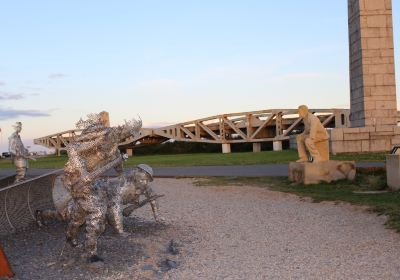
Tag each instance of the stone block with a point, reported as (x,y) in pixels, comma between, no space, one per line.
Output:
(352,146)
(389,80)
(351,130)
(385,105)
(375,69)
(387,121)
(356,136)
(369,80)
(365,146)
(381,135)
(382,98)
(383,90)
(382,128)
(386,53)
(373,5)
(325,171)
(367,129)
(390,68)
(379,79)
(380,145)
(376,20)
(336,134)
(371,53)
(395,141)
(388,4)
(393,171)
(337,147)
(371,32)
(370,105)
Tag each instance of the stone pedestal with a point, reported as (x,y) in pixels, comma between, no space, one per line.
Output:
(364,139)
(326,171)
(393,171)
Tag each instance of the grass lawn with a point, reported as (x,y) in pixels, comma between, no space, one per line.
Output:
(201,159)
(368,180)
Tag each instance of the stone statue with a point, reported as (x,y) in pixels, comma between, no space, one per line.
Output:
(315,139)
(19,153)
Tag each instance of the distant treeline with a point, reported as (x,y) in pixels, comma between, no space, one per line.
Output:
(195,147)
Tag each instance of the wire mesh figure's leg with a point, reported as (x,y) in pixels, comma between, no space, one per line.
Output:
(114,213)
(78,216)
(43,216)
(153,203)
(95,208)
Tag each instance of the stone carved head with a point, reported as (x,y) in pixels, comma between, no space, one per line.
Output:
(303,111)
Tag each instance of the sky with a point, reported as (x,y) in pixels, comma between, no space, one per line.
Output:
(168,61)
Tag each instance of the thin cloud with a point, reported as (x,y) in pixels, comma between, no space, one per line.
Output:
(6,114)
(11,96)
(2,83)
(57,76)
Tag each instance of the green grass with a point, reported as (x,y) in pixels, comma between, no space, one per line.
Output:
(201,159)
(387,203)
(41,162)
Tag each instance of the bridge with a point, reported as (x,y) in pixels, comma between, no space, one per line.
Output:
(275,125)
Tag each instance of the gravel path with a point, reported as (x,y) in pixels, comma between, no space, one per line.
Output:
(224,233)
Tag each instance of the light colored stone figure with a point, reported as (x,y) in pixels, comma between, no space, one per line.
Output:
(19,153)
(314,138)
(90,155)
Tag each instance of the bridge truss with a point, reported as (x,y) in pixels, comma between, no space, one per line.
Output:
(275,125)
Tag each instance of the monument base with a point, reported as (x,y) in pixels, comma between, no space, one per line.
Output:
(364,139)
(325,171)
(393,171)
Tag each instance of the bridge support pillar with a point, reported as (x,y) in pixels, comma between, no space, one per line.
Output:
(277,145)
(256,147)
(129,152)
(226,148)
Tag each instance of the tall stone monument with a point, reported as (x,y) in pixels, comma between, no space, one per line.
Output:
(373,87)
(373,105)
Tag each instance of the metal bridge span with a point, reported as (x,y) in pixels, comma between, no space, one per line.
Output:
(275,125)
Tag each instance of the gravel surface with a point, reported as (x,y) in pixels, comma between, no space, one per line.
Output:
(222,233)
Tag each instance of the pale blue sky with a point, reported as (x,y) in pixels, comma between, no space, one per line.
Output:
(168,61)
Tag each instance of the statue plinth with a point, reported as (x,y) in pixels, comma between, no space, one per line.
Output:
(324,171)
(393,171)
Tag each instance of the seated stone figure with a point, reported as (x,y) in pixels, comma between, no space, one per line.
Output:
(315,139)
(118,193)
